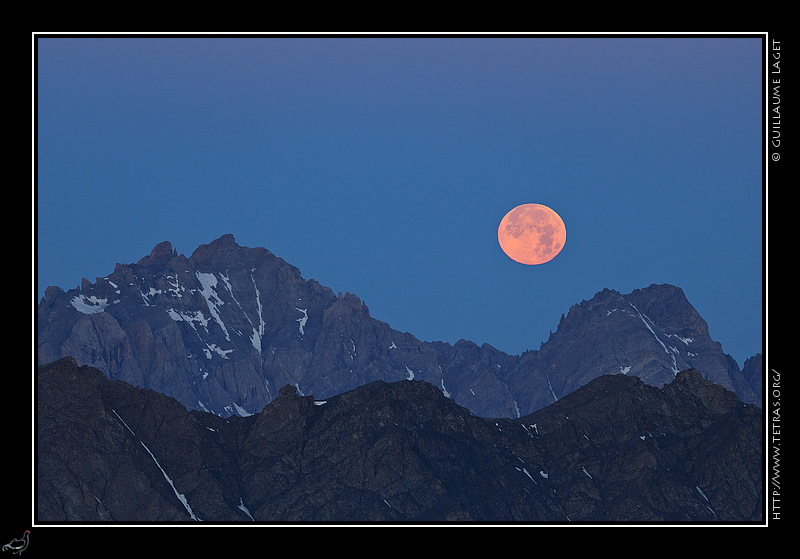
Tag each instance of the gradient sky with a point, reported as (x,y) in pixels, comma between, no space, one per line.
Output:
(383,166)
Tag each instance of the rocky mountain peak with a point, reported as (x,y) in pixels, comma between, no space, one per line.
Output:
(652,333)
(711,396)
(160,254)
(667,304)
(349,301)
(287,391)
(221,253)
(689,377)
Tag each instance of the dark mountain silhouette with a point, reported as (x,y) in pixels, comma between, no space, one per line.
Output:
(224,329)
(615,449)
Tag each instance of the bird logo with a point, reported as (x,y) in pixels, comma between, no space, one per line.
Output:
(18,545)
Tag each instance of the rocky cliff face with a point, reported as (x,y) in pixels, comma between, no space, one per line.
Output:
(225,328)
(615,449)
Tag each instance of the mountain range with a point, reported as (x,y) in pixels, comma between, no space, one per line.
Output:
(616,449)
(225,328)
(225,387)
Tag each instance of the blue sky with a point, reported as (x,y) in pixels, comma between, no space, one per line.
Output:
(383,166)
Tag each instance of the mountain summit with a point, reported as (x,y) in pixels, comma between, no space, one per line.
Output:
(224,329)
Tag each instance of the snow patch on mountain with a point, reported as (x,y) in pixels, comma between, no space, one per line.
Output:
(208,283)
(190,317)
(686,341)
(302,320)
(214,348)
(645,320)
(181,497)
(244,509)
(258,332)
(89,305)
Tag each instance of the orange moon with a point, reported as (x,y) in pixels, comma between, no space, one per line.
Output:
(532,234)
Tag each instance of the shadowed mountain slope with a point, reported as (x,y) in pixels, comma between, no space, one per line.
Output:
(615,449)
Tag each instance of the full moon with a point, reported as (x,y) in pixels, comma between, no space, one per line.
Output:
(532,234)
